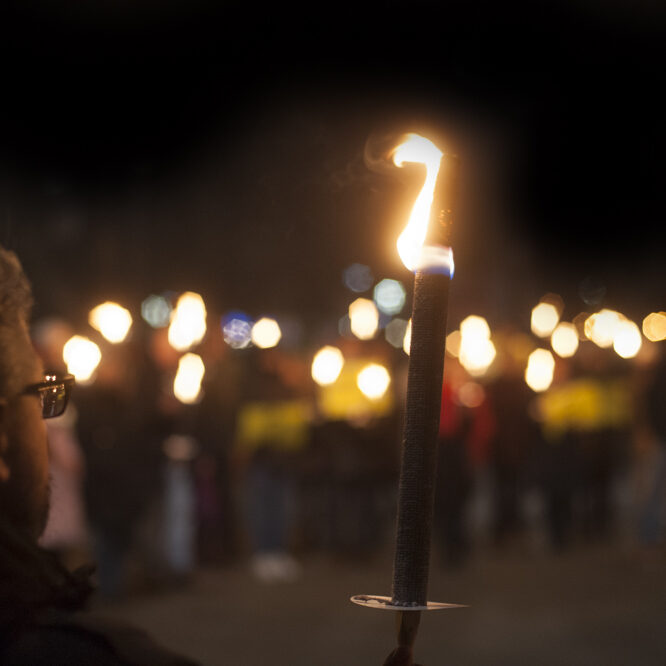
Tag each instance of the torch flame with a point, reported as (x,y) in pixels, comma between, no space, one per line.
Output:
(410,243)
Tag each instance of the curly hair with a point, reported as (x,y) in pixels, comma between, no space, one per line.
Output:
(15,306)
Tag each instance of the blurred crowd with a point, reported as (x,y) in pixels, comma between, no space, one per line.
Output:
(265,470)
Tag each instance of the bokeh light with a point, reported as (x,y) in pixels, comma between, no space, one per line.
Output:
(540,370)
(407,340)
(364,318)
(477,355)
(564,339)
(187,383)
(579,322)
(395,332)
(654,326)
(544,319)
(237,330)
(358,277)
(156,311)
(476,351)
(112,320)
(344,326)
(453,341)
(188,323)
(390,296)
(327,365)
(474,327)
(180,448)
(471,394)
(627,340)
(266,333)
(82,357)
(373,381)
(602,326)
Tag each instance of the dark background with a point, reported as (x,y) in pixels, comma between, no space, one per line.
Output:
(218,147)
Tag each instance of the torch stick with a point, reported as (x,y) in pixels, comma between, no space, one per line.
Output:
(418,467)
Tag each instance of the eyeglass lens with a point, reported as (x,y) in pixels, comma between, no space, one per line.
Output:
(54,401)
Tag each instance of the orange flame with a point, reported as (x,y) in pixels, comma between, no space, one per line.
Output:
(418,149)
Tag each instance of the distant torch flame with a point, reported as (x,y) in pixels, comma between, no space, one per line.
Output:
(112,320)
(82,357)
(327,365)
(373,381)
(363,318)
(187,383)
(410,243)
(188,323)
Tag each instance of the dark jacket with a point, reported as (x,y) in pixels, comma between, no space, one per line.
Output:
(43,622)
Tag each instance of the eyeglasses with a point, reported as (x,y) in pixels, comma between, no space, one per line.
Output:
(53,392)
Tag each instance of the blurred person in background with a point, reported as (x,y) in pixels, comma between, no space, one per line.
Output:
(585,418)
(195,523)
(40,600)
(216,511)
(272,431)
(559,466)
(466,429)
(604,436)
(179,520)
(121,435)
(347,486)
(652,512)
(512,452)
(349,476)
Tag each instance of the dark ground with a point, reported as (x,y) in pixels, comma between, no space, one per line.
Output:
(592,605)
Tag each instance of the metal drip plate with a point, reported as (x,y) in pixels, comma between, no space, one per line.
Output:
(384,603)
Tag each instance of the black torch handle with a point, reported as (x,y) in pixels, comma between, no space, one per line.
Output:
(418,469)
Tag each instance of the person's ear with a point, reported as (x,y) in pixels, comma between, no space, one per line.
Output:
(4,442)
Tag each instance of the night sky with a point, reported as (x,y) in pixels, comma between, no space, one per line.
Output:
(188,145)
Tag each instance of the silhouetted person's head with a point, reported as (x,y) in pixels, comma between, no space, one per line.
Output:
(24,467)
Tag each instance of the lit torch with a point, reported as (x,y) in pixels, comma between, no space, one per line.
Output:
(424,248)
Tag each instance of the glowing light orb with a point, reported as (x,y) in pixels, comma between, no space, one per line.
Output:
(237,330)
(266,333)
(327,365)
(544,319)
(358,277)
(602,326)
(344,326)
(564,339)
(476,351)
(82,357)
(407,341)
(453,342)
(476,356)
(395,332)
(180,448)
(471,394)
(187,383)
(156,311)
(474,327)
(654,326)
(188,323)
(540,370)
(390,296)
(373,381)
(627,340)
(579,322)
(112,320)
(364,318)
